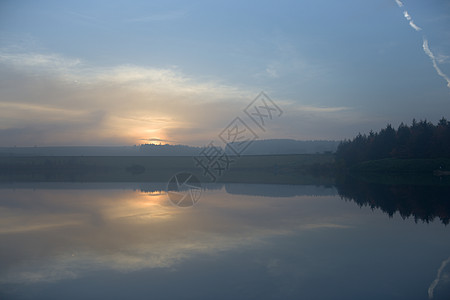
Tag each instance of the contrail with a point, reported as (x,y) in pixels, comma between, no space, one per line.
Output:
(407,16)
(438,278)
(411,22)
(425,46)
(414,26)
(433,59)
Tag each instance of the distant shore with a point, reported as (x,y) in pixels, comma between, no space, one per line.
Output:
(319,169)
(295,169)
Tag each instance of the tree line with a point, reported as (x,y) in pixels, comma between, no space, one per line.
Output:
(421,139)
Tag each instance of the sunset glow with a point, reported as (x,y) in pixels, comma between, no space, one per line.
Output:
(178,74)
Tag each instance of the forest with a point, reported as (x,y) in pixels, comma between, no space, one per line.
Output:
(420,140)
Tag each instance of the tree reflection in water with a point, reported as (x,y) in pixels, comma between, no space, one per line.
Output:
(423,202)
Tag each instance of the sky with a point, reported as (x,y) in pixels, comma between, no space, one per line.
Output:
(132,72)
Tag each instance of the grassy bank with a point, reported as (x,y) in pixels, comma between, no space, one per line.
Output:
(402,171)
(403,166)
(307,168)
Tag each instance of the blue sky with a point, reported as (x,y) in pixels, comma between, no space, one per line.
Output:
(120,72)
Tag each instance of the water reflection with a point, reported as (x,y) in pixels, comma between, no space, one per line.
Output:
(438,278)
(240,242)
(422,202)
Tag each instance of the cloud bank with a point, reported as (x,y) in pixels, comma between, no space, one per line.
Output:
(48,99)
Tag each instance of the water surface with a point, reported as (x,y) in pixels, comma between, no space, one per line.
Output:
(241,241)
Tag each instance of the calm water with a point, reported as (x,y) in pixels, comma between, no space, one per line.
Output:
(241,241)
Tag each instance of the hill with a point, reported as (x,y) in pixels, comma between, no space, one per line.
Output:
(260,147)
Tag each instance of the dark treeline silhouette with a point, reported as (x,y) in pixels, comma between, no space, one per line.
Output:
(420,140)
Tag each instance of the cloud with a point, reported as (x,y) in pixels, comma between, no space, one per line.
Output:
(306,108)
(36,61)
(58,99)
(157,140)
(433,59)
(49,99)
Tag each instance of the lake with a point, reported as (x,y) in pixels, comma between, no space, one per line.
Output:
(240,241)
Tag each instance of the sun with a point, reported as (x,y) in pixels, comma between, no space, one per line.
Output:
(155,141)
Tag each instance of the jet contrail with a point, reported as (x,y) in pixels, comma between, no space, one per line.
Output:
(411,22)
(399,3)
(425,46)
(414,26)
(438,278)
(407,16)
(433,59)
